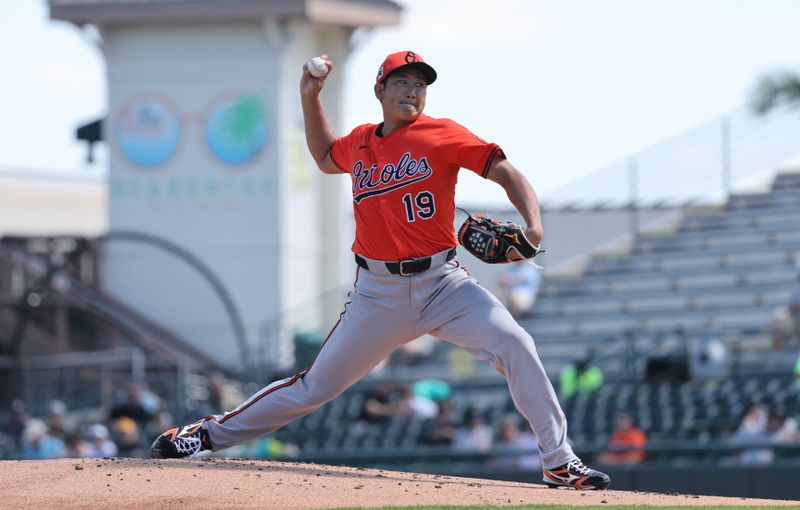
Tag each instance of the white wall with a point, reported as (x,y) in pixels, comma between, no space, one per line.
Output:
(224,214)
(255,224)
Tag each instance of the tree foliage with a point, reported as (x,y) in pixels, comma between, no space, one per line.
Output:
(772,90)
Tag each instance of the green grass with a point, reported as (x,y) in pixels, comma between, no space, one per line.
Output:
(566,507)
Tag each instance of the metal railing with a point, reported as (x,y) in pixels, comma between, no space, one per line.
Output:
(707,162)
(658,451)
(85,379)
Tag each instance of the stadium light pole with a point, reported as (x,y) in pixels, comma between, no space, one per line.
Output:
(725,146)
(633,197)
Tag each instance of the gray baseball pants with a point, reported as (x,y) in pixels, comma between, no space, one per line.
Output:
(386,311)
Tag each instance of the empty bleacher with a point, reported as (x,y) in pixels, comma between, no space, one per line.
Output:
(721,272)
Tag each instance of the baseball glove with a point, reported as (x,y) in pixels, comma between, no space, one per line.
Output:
(495,242)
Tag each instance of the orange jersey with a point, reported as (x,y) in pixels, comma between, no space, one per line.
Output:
(633,439)
(404,184)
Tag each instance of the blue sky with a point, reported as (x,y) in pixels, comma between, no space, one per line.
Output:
(565,86)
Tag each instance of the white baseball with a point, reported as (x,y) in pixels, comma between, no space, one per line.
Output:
(317,67)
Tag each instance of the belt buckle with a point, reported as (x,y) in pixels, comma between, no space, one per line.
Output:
(400,267)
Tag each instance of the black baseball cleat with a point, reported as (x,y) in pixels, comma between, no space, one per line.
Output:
(181,442)
(576,475)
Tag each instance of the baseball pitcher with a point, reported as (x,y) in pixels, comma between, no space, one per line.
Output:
(408,279)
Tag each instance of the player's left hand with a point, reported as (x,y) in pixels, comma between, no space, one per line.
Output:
(496,242)
(534,235)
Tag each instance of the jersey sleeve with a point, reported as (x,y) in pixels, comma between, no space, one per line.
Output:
(343,149)
(468,150)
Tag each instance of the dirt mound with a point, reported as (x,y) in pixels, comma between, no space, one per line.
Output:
(227,483)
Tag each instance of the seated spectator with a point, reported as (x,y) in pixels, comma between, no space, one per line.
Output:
(99,443)
(163,420)
(474,434)
(270,448)
(412,353)
(127,437)
(753,431)
(418,406)
(580,377)
(37,443)
(77,445)
(136,403)
(518,287)
(797,373)
(384,403)
(440,430)
(433,389)
(512,440)
(626,443)
(758,430)
(222,394)
(781,429)
(55,419)
(461,364)
(17,421)
(786,326)
(752,424)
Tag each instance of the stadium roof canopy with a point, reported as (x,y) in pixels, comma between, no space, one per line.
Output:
(353,13)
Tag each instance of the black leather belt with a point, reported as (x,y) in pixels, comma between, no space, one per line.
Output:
(407,267)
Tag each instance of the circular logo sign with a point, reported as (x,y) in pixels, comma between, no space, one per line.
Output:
(236,129)
(148,131)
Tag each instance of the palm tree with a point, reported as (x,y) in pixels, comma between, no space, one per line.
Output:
(776,89)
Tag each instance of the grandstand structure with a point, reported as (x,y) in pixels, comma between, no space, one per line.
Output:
(721,273)
(62,337)
(689,425)
(683,420)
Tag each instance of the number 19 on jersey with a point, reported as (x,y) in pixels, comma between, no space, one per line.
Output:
(425,207)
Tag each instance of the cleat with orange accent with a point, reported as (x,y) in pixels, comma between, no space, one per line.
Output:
(181,442)
(577,475)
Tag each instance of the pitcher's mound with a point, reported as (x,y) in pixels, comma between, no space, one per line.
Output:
(117,483)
